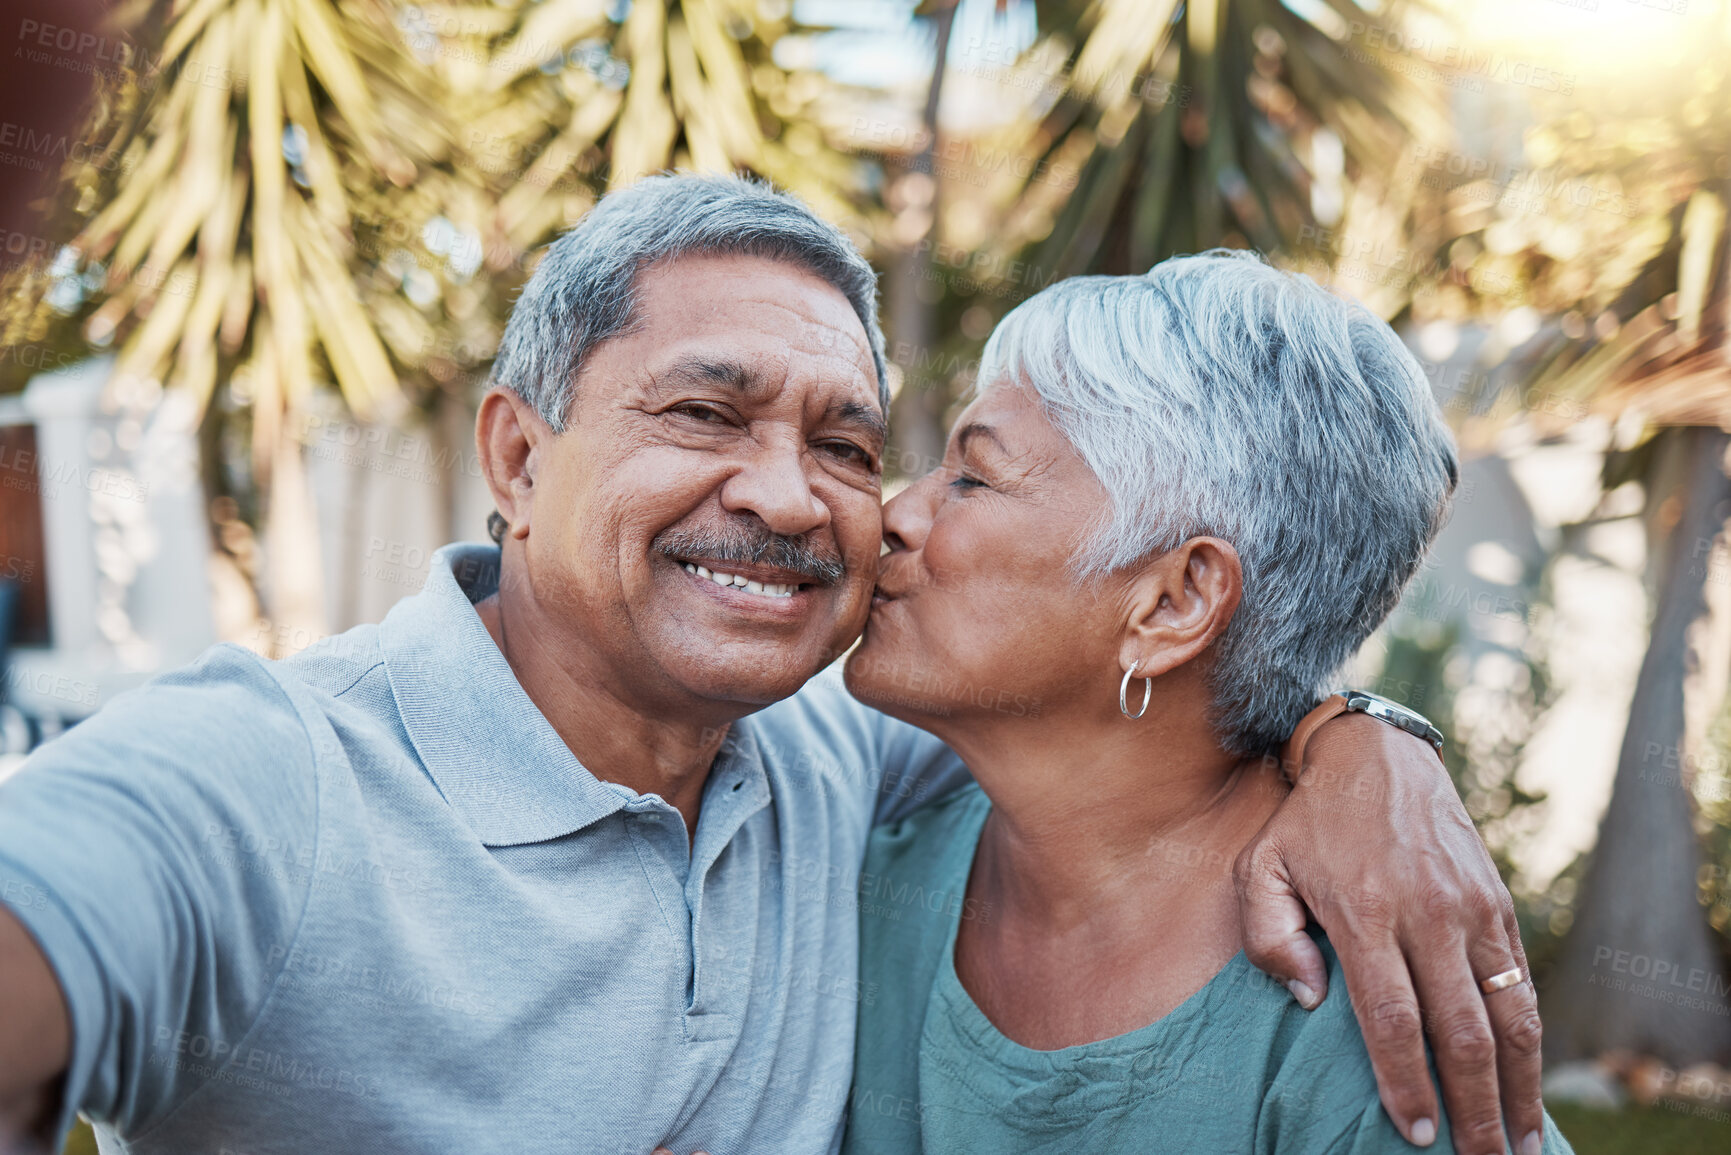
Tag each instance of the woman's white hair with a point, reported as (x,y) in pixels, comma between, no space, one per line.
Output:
(1219,396)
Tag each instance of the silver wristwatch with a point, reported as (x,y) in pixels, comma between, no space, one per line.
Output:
(1395,714)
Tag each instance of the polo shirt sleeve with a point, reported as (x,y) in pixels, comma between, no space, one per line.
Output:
(152,853)
(917,769)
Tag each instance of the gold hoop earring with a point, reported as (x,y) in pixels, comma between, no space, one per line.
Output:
(1124,690)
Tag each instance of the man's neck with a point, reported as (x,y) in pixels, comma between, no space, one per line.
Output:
(670,754)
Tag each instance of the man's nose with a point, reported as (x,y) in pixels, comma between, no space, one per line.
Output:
(772,484)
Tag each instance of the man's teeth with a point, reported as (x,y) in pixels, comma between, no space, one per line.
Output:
(768,589)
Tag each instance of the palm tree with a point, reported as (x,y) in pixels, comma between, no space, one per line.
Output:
(281,193)
(1615,228)
(213,225)
(1181,126)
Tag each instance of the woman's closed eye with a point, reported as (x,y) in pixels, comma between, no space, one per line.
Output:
(964,482)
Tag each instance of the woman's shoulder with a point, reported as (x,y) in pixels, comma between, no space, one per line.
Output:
(935,833)
(913,886)
(1320,1084)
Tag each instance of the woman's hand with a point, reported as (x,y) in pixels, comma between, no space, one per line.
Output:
(1375,842)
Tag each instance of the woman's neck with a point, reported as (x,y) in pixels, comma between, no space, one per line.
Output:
(1107,864)
(1080,811)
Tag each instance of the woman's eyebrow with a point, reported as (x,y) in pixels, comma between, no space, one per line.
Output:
(975,429)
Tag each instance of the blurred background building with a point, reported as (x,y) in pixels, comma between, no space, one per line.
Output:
(258,254)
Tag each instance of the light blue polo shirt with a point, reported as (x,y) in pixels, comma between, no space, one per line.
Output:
(366,900)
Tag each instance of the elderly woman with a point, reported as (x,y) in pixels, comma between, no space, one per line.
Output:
(1176,507)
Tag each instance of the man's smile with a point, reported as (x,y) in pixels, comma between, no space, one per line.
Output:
(759,590)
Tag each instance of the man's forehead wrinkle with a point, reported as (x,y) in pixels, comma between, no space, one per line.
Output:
(805,319)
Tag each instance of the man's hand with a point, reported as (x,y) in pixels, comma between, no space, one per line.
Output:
(1375,842)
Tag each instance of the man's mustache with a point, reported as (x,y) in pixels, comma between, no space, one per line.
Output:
(753,543)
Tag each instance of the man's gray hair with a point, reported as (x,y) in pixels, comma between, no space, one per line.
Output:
(584,289)
(1219,396)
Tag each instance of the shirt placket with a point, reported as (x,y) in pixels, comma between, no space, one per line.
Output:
(724,955)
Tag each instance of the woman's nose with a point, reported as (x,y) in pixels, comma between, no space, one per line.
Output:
(908,516)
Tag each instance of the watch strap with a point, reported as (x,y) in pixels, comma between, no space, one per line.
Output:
(1292,753)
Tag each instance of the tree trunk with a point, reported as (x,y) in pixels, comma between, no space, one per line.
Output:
(295,577)
(1641,969)
(911,296)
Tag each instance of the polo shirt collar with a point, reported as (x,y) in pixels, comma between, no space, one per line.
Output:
(494,756)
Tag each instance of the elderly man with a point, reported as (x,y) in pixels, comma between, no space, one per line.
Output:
(561,855)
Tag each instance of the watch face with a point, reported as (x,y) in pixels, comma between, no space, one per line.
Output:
(1395,714)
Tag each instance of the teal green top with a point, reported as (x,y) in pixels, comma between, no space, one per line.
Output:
(1238,1067)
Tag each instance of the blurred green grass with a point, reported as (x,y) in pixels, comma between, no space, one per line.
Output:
(1634,1131)
(1641,1131)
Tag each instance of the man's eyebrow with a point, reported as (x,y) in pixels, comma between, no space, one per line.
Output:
(712,371)
(975,429)
(868,416)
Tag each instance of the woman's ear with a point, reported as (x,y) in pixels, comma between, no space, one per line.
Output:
(507,433)
(1180,603)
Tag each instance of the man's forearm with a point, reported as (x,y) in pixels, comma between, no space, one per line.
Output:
(1375,843)
(27,1124)
(35,1041)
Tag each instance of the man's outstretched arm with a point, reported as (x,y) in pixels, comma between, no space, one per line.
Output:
(35,1042)
(1375,842)
(126,909)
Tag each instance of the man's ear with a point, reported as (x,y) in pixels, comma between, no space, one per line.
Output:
(508,433)
(1179,604)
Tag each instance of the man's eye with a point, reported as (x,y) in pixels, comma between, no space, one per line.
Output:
(700,412)
(848,451)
